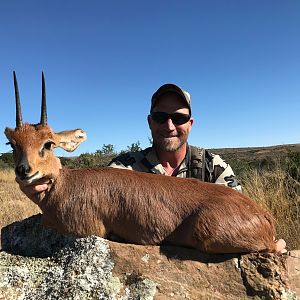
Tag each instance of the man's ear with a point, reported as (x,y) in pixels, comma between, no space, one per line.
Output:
(191,121)
(69,140)
(149,121)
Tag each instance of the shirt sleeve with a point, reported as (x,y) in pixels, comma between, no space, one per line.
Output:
(123,161)
(223,173)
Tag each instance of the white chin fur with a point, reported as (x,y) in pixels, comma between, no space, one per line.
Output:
(34,177)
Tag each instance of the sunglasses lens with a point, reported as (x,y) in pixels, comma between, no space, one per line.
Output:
(180,119)
(159,117)
(177,118)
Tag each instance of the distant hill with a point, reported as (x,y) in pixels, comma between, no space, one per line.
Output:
(258,157)
(279,149)
(258,152)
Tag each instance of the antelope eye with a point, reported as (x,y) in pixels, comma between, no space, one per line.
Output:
(48,145)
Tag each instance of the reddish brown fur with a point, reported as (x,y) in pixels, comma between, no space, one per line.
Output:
(28,141)
(144,208)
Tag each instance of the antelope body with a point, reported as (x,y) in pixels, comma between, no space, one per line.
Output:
(141,208)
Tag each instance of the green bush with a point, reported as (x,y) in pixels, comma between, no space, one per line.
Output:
(6,160)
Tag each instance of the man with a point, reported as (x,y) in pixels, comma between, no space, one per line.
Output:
(170,121)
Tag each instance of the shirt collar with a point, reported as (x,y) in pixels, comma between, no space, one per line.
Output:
(157,166)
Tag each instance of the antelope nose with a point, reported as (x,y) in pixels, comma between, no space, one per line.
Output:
(23,170)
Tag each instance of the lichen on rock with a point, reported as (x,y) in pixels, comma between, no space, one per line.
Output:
(75,268)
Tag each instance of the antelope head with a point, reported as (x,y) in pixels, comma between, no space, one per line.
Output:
(33,144)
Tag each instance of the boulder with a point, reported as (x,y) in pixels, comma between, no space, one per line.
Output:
(38,263)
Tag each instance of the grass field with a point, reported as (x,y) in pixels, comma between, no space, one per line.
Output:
(279,193)
(14,204)
(275,190)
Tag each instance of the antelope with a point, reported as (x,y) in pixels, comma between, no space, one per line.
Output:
(140,208)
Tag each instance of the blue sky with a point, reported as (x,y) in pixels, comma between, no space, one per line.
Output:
(104,59)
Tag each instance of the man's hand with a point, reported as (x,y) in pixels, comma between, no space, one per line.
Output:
(35,190)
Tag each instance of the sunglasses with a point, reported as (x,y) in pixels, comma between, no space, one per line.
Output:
(177,118)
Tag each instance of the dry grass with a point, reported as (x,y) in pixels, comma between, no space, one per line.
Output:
(14,204)
(274,190)
(279,193)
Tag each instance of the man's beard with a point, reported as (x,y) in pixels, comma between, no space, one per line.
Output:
(170,145)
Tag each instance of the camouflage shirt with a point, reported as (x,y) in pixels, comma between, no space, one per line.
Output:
(198,163)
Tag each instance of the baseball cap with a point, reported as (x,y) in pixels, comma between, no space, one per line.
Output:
(170,87)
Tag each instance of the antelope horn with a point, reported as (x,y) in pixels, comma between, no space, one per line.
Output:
(43,108)
(19,121)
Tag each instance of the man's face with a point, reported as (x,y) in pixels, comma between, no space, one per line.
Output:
(169,136)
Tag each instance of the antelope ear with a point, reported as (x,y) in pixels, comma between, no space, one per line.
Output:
(69,140)
(8,132)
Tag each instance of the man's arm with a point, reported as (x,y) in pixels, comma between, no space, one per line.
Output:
(223,173)
(123,161)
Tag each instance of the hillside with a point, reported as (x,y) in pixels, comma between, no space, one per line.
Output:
(260,152)
(257,157)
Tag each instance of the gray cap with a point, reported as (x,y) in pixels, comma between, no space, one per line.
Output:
(169,87)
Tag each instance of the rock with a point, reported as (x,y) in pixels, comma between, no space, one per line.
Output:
(38,263)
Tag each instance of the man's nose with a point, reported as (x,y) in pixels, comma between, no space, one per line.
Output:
(169,123)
